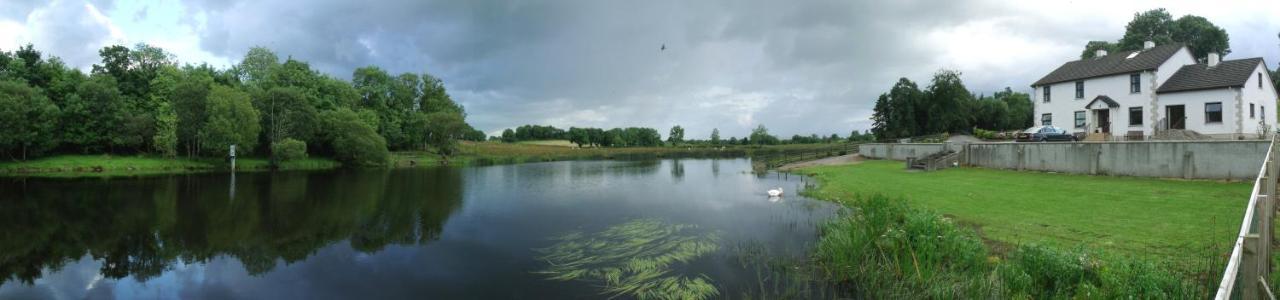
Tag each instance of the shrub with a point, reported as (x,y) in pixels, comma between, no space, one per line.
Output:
(354,142)
(289,149)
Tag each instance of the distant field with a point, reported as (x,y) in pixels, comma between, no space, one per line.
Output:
(558,143)
(1166,220)
(499,152)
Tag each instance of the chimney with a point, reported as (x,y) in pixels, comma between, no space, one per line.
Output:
(1100,53)
(1213,59)
(1148,45)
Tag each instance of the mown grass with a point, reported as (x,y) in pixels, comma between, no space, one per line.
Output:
(1176,219)
(114,166)
(1043,235)
(885,249)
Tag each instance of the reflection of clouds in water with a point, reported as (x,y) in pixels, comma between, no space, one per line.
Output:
(498,213)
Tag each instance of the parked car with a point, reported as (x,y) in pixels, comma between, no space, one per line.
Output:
(1045,134)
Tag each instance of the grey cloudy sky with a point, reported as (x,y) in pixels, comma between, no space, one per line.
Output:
(795,66)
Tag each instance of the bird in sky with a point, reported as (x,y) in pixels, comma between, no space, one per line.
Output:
(664,48)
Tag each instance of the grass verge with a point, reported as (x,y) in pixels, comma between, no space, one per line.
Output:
(116,166)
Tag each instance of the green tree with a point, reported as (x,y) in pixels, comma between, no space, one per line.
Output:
(948,103)
(761,136)
(93,116)
(353,141)
(29,120)
(1157,25)
(257,65)
(231,120)
(165,140)
(579,136)
(190,101)
(286,113)
(676,136)
(443,130)
(1091,48)
(715,136)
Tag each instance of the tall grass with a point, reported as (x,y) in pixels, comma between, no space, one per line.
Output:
(883,248)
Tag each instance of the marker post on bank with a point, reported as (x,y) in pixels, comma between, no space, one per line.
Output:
(232,156)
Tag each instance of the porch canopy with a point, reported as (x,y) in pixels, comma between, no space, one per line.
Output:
(1102,102)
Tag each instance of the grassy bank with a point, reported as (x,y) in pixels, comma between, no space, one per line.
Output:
(887,249)
(993,232)
(112,166)
(487,153)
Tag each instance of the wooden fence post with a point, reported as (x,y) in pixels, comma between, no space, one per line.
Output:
(1249,267)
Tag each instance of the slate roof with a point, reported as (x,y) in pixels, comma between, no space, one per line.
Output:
(1228,73)
(1116,63)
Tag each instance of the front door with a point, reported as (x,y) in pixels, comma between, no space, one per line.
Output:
(1104,119)
(1177,116)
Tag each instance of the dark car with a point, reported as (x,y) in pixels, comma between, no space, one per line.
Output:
(1045,134)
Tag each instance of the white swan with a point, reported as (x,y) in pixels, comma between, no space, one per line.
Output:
(775,192)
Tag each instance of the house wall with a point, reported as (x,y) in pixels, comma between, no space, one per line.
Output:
(1264,97)
(1168,159)
(1195,101)
(1181,58)
(1063,104)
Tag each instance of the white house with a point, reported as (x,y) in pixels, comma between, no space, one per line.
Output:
(1138,94)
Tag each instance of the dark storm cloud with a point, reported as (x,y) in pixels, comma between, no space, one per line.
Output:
(598,63)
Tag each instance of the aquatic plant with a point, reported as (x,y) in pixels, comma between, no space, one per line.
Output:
(635,259)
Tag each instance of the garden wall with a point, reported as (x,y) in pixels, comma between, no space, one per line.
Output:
(1169,159)
(899,151)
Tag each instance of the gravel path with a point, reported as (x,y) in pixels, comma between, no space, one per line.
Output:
(850,159)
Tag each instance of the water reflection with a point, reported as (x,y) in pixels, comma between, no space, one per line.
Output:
(140,228)
(469,233)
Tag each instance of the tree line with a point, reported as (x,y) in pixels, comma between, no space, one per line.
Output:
(141,101)
(649,137)
(946,105)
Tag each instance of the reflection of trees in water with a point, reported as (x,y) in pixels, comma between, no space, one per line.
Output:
(677,169)
(637,167)
(715,167)
(140,227)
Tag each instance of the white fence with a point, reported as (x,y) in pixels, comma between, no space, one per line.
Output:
(1248,271)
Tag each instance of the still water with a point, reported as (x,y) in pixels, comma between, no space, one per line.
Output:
(576,229)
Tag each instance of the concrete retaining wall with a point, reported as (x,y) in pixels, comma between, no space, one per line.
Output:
(899,151)
(1238,160)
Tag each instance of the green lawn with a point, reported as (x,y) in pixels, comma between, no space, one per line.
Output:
(1162,219)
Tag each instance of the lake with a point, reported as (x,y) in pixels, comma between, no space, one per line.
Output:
(573,229)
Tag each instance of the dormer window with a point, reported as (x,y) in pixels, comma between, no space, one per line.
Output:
(1079,89)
